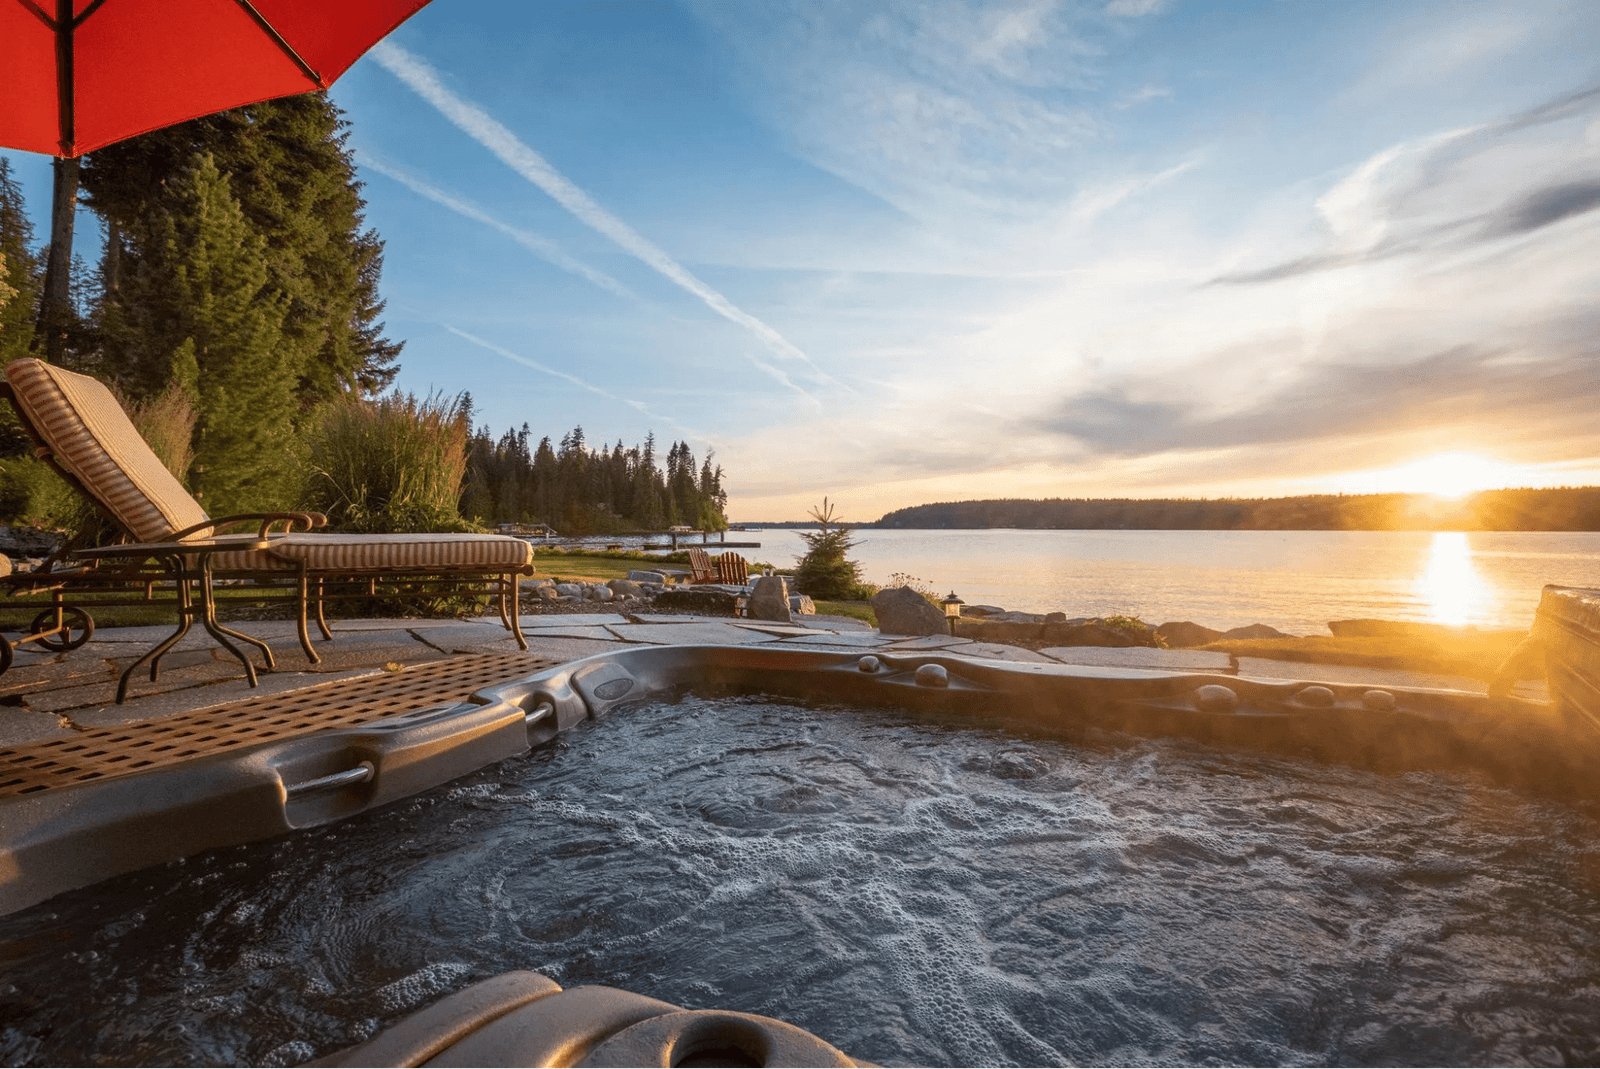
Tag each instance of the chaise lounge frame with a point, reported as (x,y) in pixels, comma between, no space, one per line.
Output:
(80,430)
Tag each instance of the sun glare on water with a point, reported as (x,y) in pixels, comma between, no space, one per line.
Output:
(1449,584)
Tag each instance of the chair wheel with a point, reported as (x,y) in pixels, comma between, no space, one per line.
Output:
(73,619)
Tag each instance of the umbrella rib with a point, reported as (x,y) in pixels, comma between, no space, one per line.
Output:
(39,11)
(288,49)
(90,10)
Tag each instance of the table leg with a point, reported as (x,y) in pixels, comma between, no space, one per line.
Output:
(208,619)
(155,653)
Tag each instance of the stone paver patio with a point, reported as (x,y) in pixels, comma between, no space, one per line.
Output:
(50,695)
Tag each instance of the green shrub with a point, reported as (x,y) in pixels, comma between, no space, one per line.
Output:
(825,572)
(390,465)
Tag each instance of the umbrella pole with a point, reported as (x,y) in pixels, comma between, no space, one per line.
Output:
(55,314)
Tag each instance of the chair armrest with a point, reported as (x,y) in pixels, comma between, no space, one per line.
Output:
(292,521)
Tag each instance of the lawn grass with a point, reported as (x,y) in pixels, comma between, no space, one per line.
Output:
(859,610)
(17,612)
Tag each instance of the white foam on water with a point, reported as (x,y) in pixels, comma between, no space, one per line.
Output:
(910,892)
(411,991)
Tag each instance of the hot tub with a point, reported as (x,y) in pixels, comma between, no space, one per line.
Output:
(915,859)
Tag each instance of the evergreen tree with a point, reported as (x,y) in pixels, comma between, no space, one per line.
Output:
(825,571)
(20,271)
(197,311)
(296,188)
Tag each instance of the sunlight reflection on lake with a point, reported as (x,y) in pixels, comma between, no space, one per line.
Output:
(1450,586)
(1296,581)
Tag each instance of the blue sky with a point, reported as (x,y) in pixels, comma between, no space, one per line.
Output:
(896,253)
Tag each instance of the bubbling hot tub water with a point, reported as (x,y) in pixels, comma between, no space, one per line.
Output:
(909,893)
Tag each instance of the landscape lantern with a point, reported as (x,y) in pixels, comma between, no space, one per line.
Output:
(952,610)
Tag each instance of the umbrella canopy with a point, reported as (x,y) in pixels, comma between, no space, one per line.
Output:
(76,75)
(79,74)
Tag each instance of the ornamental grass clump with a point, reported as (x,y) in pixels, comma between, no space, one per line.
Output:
(390,465)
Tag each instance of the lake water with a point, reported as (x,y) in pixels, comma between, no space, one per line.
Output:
(1292,580)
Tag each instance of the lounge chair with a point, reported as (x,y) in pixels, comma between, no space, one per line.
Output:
(82,432)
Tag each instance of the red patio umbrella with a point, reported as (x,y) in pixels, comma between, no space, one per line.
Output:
(76,75)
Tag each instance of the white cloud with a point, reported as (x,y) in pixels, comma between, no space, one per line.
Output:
(1134,9)
(518,358)
(540,246)
(493,135)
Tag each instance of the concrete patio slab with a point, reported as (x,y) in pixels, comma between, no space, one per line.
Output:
(926,642)
(18,726)
(777,630)
(575,619)
(833,623)
(1265,668)
(854,639)
(1143,657)
(707,632)
(345,626)
(1003,653)
(600,634)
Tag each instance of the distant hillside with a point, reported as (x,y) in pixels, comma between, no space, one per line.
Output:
(1562,509)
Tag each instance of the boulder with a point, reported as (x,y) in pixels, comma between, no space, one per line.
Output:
(703,599)
(547,592)
(999,631)
(981,610)
(1094,633)
(600,592)
(646,577)
(1054,618)
(626,588)
(1185,634)
(902,611)
(1401,629)
(802,605)
(1020,617)
(769,600)
(570,590)
(1255,631)
(28,542)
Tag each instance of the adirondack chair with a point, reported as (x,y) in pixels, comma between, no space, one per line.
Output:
(732,569)
(81,431)
(701,567)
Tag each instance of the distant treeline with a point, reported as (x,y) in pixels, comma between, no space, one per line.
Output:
(580,490)
(1561,509)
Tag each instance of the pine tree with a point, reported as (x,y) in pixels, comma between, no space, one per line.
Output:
(20,271)
(197,311)
(295,184)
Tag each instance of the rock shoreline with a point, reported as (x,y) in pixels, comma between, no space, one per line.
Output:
(904,611)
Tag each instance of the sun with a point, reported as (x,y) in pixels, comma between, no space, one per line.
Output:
(1446,475)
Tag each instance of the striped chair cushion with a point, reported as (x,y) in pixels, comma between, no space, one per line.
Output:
(356,554)
(91,436)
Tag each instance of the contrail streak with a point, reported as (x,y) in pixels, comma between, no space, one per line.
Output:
(546,369)
(537,244)
(494,136)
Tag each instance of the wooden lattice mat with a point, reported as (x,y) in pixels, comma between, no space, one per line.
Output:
(128,748)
